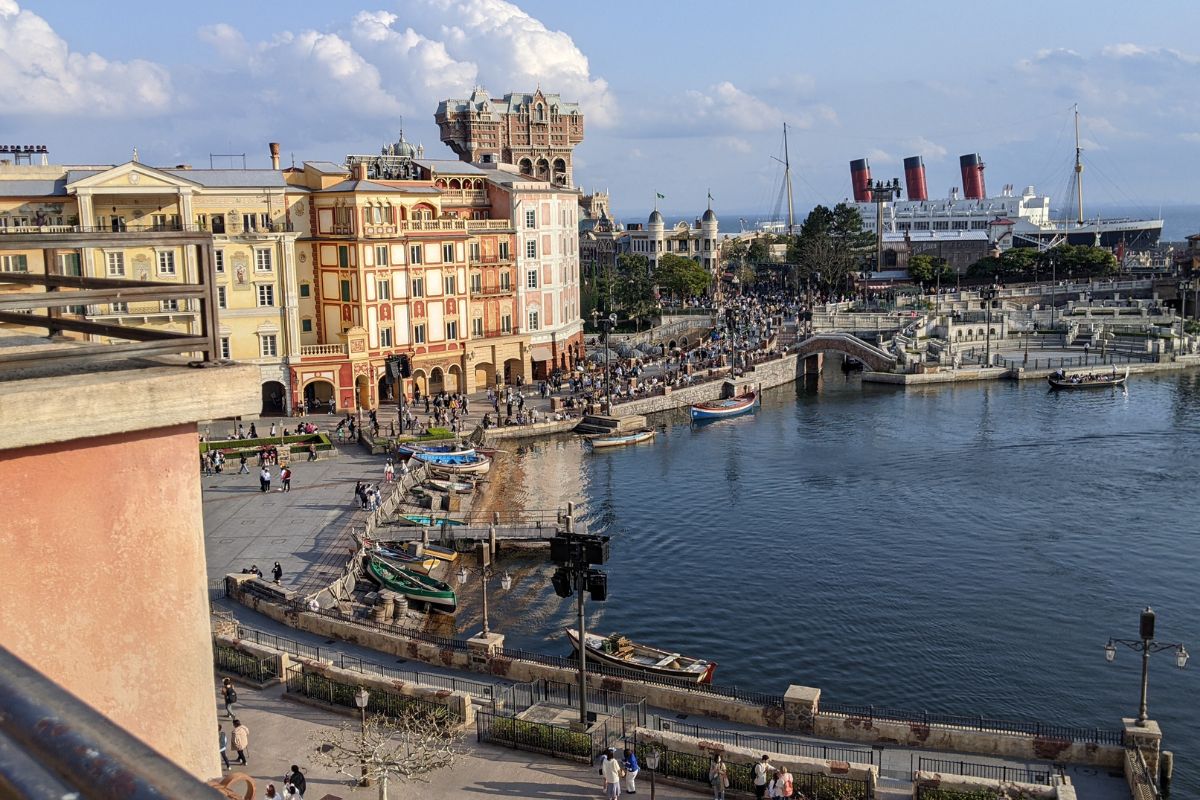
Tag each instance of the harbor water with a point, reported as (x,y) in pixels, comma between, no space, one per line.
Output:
(963,549)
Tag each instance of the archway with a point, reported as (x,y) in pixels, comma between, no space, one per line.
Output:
(437,381)
(683,342)
(384,390)
(272,397)
(362,391)
(525,166)
(318,395)
(560,169)
(420,383)
(485,375)
(513,368)
(543,169)
(454,382)
(671,344)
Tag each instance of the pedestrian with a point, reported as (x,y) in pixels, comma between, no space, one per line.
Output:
(241,740)
(271,793)
(389,471)
(762,776)
(277,572)
(718,777)
(632,768)
(611,769)
(243,470)
(253,432)
(254,570)
(229,695)
(224,743)
(206,463)
(296,780)
(264,479)
(272,430)
(785,785)
(285,477)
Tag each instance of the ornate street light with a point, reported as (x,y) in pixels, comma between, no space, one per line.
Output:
(361,697)
(484,571)
(1146,645)
(652,764)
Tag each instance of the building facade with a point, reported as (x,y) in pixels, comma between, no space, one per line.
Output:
(535,132)
(699,241)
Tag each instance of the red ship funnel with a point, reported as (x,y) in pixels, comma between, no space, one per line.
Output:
(971,166)
(860,179)
(914,178)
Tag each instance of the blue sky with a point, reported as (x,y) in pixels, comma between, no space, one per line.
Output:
(679,98)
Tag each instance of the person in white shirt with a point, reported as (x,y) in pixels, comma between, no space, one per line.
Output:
(612,775)
(762,776)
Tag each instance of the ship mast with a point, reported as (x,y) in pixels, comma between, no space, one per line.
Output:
(1078,168)
(787,177)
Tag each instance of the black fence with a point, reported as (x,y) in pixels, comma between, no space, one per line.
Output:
(259,670)
(281,643)
(336,693)
(519,697)
(537,737)
(695,769)
(786,747)
(975,769)
(980,723)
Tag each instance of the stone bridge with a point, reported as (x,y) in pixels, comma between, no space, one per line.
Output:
(876,359)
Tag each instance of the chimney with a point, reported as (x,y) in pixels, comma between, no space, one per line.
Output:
(359,171)
(914,178)
(971,166)
(274,155)
(860,179)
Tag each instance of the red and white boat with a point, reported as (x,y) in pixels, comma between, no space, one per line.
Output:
(620,652)
(727,407)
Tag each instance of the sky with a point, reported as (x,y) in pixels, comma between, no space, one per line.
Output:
(679,99)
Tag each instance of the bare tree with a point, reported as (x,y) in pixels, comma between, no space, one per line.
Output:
(405,748)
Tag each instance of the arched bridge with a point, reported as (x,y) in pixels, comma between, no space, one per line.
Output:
(876,359)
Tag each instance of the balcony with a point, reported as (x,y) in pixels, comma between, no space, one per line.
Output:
(492,290)
(323,350)
(489,225)
(432,225)
(464,197)
(61,229)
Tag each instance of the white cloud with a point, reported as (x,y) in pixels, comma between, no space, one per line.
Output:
(1191,136)
(881,157)
(42,76)
(920,146)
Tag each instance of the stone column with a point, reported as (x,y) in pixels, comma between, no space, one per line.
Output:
(800,707)
(484,647)
(1147,738)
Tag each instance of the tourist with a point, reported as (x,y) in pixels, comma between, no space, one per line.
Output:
(277,572)
(243,469)
(253,431)
(271,793)
(631,771)
(784,783)
(718,777)
(611,769)
(272,430)
(296,780)
(762,776)
(229,695)
(312,452)
(264,479)
(389,471)
(285,477)
(223,740)
(241,740)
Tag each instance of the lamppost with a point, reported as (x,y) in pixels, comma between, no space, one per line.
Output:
(989,295)
(360,699)
(575,554)
(484,571)
(1145,644)
(652,764)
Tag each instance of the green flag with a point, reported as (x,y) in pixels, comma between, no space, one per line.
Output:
(660,196)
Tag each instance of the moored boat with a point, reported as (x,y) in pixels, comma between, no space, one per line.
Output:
(727,407)
(617,440)
(462,487)
(474,464)
(1061,380)
(406,560)
(619,651)
(430,550)
(427,521)
(412,585)
(436,452)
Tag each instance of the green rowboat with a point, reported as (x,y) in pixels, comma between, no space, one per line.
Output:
(413,585)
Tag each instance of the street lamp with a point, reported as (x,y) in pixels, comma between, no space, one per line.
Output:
(360,699)
(575,554)
(485,571)
(989,295)
(1146,645)
(652,764)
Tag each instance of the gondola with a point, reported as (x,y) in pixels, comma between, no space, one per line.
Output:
(620,652)
(728,407)
(1061,380)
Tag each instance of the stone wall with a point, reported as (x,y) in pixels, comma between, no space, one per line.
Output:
(766,375)
(528,431)
(980,786)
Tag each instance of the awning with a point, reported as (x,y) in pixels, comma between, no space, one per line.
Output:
(541,352)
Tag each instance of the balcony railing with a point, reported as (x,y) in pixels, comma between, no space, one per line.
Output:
(463,197)
(491,291)
(489,225)
(432,225)
(60,229)
(323,350)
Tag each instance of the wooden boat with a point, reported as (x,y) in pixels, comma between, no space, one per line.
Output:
(412,585)
(474,464)
(431,551)
(435,452)
(405,559)
(427,521)
(617,440)
(462,487)
(728,407)
(620,652)
(1063,381)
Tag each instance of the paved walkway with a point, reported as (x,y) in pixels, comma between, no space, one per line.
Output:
(282,733)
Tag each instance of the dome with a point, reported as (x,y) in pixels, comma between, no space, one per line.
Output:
(709,216)
(656,217)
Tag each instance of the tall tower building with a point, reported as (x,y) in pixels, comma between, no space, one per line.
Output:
(536,132)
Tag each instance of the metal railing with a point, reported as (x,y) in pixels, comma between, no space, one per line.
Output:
(478,689)
(281,643)
(995,772)
(1142,785)
(232,660)
(537,737)
(520,697)
(785,747)
(977,723)
(336,693)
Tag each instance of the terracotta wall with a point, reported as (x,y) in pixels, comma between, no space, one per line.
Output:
(103,548)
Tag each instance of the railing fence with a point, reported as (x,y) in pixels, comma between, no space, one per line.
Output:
(975,769)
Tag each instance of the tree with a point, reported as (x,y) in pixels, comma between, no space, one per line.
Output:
(633,288)
(405,748)
(680,276)
(925,269)
(832,243)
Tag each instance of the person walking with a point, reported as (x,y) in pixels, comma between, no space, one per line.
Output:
(632,768)
(611,769)
(718,777)
(785,784)
(228,695)
(243,470)
(285,477)
(389,471)
(241,740)
(264,479)
(277,572)
(312,452)
(223,740)
(762,776)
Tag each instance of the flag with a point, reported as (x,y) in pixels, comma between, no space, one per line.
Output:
(660,196)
